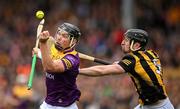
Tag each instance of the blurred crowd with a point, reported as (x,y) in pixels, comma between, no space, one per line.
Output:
(102,30)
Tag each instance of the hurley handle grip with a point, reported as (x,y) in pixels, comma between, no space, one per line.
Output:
(32,72)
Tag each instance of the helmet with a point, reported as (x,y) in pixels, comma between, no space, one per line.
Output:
(138,35)
(72,30)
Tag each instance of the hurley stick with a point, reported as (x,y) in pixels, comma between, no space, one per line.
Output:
(91,58)
(31,76)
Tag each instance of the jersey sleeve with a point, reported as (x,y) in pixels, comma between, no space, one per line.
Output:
(70,61)
(127,63)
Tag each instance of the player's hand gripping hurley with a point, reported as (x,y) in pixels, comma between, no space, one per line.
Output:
(31,76)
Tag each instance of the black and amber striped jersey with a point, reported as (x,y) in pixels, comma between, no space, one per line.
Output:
(145,70)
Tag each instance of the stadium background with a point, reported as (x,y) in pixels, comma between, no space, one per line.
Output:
(102,23)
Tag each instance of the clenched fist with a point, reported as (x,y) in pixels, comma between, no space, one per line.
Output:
(44,36)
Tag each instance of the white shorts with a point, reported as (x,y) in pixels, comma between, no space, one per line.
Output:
(44,105)
(162,104)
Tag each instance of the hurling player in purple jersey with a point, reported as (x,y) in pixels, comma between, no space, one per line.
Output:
(61,63)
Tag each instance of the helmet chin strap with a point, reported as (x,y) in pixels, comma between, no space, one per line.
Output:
(131,47)
(71,43)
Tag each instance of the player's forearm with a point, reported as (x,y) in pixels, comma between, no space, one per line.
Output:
(46,59)
(50,41)
(94,71)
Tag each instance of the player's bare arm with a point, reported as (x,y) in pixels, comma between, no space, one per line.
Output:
(47,62)
(102,70)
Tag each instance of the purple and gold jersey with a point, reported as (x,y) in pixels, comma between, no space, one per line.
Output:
(61,87)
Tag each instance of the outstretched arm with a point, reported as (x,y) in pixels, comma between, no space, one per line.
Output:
(102,70)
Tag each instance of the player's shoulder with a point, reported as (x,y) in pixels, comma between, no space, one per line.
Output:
(72,54)
(153,53)
(72,57)
(128,56)
(127,62)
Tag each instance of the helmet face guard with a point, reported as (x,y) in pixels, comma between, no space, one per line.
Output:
(72,30)
(137,35)
(62,32)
